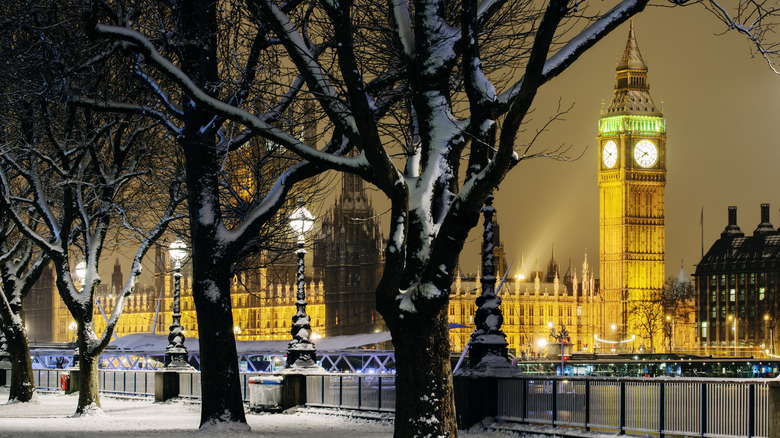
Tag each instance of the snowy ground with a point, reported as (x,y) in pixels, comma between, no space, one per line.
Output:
(51,417)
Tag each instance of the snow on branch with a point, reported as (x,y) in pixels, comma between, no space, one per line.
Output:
(143,45)
(754,19)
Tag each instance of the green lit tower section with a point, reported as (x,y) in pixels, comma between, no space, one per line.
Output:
(632,179)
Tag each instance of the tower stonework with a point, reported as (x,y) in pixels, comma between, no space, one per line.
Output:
(348,259)
(632,180)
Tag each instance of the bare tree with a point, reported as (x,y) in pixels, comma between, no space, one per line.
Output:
(431,95)
(84,178)
(649,314)
(21,264)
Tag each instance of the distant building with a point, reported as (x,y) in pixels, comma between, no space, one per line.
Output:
(737,288)
(348,259)
(631,179)
(528,306)
(43,308)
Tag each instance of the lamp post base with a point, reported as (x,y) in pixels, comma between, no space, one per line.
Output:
(176,358)
(302,358)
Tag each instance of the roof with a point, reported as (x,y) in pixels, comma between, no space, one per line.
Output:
(155,342)
(682,277)
(632,92)
(757,252)
(632,58)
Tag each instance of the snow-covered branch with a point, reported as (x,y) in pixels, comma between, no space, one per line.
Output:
(143,45)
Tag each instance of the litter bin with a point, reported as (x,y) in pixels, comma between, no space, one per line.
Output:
(64,380)
(265,393)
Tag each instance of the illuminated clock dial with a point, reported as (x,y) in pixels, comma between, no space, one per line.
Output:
(645,153)
(609,154)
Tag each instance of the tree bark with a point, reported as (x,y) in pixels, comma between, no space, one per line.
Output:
(22,381)
(221,399)
(424,377)
(89,397)
(220,383)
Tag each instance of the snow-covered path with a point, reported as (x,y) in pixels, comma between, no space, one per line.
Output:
(50,417)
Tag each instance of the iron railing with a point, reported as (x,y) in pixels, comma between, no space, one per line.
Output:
(366,392)
(700,407)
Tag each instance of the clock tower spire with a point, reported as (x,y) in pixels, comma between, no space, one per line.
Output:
(632,179)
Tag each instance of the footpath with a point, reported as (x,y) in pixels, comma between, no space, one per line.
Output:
(51,416)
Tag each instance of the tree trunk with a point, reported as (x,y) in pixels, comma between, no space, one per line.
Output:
(425,402)
(89,397)
(22,381)
(221,399)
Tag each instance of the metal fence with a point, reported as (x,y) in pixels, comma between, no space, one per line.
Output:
(134,383)
(701,407)
(368,392)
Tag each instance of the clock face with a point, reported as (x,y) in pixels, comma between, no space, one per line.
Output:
(645,153)
(609,154)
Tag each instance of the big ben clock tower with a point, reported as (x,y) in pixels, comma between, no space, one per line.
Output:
(632,177)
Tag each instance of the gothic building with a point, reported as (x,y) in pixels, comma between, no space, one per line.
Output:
(348,259)
(632,179)
(528,306)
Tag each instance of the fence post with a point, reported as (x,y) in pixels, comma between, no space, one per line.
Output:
(622,407)
(525,399)
(341,391)
(360,392)
(379,395)
(751,410)
(703,409)
(773,409)
(554,401)
(661,413)
(587,405)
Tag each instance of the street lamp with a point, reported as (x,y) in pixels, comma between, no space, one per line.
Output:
(236,331)
(81,272)
(72,328)
(176,352)
(301,350)
(488,339)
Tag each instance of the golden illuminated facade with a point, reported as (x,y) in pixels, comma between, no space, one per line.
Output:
(632,178)
(528,307)
(262,309)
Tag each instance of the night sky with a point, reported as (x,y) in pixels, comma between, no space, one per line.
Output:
(721,108)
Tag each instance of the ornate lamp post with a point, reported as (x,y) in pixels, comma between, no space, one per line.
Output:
(301,350)
(176,352)
(488,339)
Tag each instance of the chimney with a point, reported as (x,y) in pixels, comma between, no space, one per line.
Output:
(764,227)
(732,229)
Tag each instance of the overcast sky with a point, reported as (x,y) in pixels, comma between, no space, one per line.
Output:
(721,108)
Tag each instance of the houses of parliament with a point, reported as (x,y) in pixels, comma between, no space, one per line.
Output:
(347,261)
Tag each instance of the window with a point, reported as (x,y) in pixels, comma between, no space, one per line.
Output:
(761,291)
(732,295)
